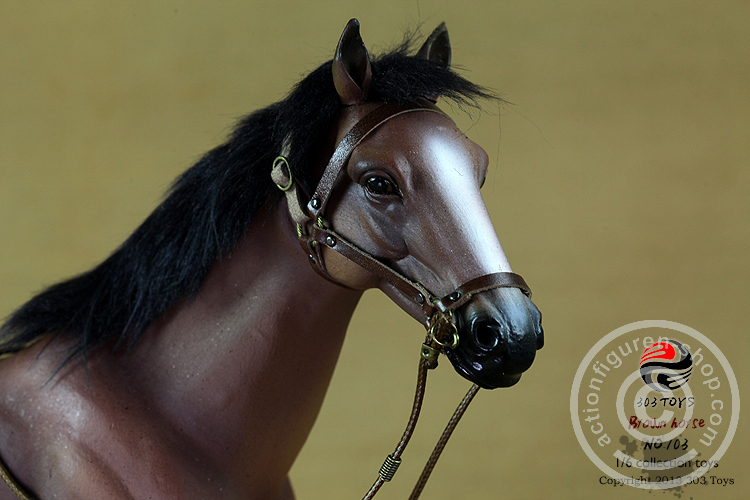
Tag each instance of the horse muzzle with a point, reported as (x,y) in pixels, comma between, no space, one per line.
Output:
(499,332)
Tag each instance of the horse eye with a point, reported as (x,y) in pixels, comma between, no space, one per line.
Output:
(380,186)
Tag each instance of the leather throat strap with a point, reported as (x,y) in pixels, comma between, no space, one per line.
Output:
(314,231)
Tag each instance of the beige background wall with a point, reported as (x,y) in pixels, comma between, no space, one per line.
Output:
(619,188)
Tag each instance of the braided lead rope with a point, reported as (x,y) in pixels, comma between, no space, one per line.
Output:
(440,330)
(392,461)
(440,446)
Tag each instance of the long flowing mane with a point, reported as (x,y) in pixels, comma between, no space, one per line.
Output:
(209,209)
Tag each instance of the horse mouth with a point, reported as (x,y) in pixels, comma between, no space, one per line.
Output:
(477,372)
(498,339)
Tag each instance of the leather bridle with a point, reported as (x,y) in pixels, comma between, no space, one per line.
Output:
(315,233)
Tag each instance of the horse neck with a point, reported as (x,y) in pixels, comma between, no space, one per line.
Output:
(251,356)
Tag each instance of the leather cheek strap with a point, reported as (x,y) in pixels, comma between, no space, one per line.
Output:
(412,290)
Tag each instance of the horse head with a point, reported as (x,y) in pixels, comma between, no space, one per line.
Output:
(399,207)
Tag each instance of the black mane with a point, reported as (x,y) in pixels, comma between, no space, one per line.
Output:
(209,208)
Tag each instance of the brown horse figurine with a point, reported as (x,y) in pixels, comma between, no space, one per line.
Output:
(192,363)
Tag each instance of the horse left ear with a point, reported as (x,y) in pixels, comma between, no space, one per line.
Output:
(437,47)
(352,72)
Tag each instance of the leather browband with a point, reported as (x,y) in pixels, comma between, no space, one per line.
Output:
(314,231)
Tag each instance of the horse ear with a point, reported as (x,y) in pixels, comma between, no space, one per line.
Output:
(437,47)
(352,72)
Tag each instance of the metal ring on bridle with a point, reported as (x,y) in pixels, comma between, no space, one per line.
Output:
(276,162)
(452,344)
(434,324)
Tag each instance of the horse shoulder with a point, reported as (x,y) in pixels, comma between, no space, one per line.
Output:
(81,435)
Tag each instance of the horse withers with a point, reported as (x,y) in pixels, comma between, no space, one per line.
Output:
(193,361)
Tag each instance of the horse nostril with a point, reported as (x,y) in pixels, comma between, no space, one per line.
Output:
(487,334)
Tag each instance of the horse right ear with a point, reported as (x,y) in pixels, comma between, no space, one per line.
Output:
(437,47)
(352,72)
